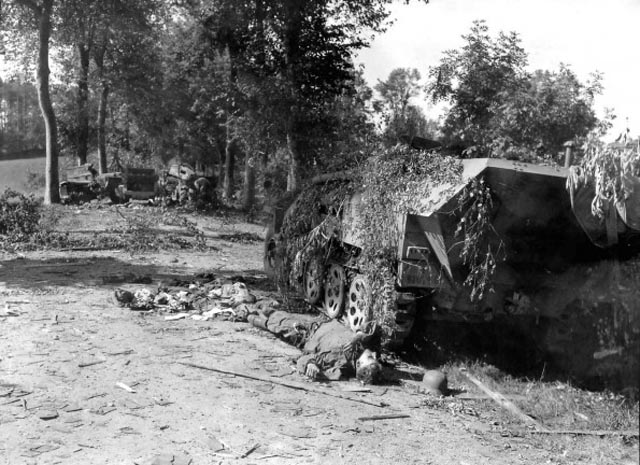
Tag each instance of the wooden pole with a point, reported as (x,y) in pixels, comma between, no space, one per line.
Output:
(289,384)
(503,402)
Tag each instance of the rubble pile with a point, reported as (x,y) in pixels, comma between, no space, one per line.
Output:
(199,300)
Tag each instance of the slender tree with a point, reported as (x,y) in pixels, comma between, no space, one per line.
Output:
(38,14)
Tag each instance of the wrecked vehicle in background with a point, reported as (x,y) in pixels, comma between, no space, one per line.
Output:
(181,183)
(84,184)
(137,184)
(505,242)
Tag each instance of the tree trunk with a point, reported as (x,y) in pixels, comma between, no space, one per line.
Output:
(102,130)
(83,105)
(249,187)
(229,164)
(292,57)
(293,176)
(51,194)
(98,58)
(220,171)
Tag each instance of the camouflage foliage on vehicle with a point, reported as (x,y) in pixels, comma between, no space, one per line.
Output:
(393,181)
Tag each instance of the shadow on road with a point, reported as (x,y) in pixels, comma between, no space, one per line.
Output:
(105,271)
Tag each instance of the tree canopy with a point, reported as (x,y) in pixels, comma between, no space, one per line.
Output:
(499,109)
(270,86)
(401,116)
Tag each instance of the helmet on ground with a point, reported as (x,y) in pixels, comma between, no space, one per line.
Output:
(435,382)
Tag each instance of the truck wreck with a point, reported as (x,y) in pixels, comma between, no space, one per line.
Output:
(496,240)
(84,184)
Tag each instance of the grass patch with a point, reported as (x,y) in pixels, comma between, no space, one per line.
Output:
(15,174)
(557,405)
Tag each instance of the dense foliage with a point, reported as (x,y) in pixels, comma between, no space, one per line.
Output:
(19,215)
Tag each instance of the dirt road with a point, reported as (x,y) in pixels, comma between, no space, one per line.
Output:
(85,381)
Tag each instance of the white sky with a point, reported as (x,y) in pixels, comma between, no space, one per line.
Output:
(588,35)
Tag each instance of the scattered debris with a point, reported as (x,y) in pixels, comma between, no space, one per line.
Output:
(125,387)
(87,446)
(103,410)
(7,312)
(7,392)
(249,451)
(215,445)
(355,388)
(300,432)
(128,430)
(171,459)
(177,316)
(202,299)
(131,404)
(629,434)
(17,396)
(41,449)
(47,414)
(123,352)
(208,315)
(390,416)
(162,402)
(72,408)
(90,363)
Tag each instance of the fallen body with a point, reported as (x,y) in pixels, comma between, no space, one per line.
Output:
(330,349)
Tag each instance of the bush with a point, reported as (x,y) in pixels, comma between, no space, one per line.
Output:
(19,216)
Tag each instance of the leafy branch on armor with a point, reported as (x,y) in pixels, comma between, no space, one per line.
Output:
(392,181)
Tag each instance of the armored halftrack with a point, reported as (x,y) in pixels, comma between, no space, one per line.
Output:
(560,273)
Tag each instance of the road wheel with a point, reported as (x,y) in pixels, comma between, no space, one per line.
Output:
(334,291)
(359,304)
(404,317)
(313,277)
